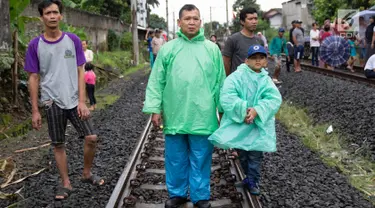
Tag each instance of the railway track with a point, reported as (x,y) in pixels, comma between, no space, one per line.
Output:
(142,183)
(357,76)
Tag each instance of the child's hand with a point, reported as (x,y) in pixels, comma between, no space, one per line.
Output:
(251,114)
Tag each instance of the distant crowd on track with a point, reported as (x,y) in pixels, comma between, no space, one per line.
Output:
(192,80)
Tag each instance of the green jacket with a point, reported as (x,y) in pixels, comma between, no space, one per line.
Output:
(243,89)
(184,85)
(277,46)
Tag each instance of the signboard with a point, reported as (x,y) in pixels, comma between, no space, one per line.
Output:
(5,34)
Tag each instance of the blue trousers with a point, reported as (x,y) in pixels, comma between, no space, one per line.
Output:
(315,55)
(251,162)
(188,164)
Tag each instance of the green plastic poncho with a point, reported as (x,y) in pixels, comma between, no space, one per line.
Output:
(185,84)
(245,88)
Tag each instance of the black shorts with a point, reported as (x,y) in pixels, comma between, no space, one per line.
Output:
(57,120)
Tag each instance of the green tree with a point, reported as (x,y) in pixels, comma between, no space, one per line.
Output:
(240,4)
(326,9)
(157,22)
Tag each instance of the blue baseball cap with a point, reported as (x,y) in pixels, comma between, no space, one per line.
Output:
(256,49)
(281,29)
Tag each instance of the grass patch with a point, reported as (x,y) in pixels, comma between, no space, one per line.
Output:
(133,69)
(117,60)
(333,151)
(104,101)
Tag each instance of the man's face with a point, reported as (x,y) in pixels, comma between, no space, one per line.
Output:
(281,34)
(213,38)
(84,45)
(251,22)
(190,23)
(157,34)
(51,16)
(257,61)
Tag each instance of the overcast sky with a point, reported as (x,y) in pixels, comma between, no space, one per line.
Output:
(218,8)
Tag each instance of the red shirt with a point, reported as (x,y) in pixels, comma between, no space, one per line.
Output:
(325,35)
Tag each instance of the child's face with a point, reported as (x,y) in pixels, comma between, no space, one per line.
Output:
(257,61)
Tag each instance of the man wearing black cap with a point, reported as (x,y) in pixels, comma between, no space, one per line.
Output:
(299,41)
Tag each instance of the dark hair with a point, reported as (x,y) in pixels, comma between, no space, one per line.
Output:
(187,7)
(151,32)
(313,24)
(213,36)
(89,66)
(246,11)
(87,42)
(46,3)
(327,28)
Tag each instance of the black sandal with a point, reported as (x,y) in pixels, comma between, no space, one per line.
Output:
(64,192)
(94,180)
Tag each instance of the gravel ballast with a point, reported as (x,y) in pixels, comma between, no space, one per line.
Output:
(295,177)
(119,128)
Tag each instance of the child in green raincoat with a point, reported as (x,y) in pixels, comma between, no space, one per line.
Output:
(250,101)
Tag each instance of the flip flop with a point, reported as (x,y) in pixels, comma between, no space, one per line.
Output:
(93,179)
(64,192)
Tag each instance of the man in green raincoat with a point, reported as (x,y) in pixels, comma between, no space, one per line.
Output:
(184,86)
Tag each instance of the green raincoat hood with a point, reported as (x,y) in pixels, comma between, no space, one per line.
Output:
(198,37)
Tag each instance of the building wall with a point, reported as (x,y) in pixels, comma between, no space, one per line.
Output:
(142,13)
(96,26)
(276,21)
(297,10)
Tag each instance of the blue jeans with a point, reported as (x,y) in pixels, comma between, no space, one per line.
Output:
(251,162)
(315,55)
(298,52)
(188,164)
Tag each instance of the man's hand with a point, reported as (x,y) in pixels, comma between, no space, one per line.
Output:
(156,120)
(36,120)
(372,46)
(83,111)
(251,114)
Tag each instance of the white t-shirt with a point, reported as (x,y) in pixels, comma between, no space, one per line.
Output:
(314,34)
(89,55)
(370,65)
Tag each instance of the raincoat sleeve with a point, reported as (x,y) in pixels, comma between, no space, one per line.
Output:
(233,106)
(285,49)
(220,79)
(272,46)
(268,105)
(155,86)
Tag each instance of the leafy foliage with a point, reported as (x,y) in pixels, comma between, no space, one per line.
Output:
(328,9)
(240,4)
(80,32)
(126,41)
(113,41)
(157,22)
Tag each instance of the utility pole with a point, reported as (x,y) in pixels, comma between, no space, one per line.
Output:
(227,19)
(135,32)
(210,20)
(167,19)
(174,26)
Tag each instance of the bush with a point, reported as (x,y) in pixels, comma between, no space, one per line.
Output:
(113,41)
(126,41)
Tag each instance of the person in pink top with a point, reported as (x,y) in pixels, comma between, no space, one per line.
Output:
(90,79)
